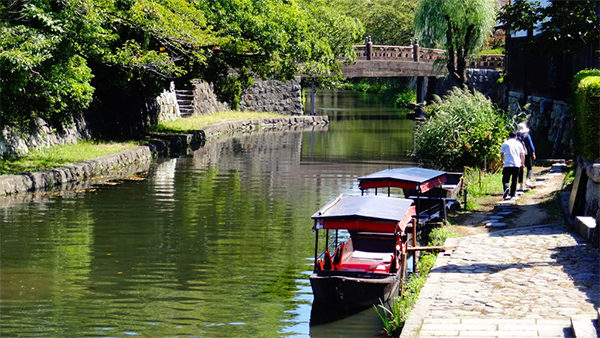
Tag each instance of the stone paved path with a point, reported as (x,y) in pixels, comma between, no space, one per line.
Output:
(519,282)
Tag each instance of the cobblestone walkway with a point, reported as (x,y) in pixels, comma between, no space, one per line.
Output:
(519,282)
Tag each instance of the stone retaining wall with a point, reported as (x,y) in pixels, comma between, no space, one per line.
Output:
(484,81)
(17,143)
(548,120)
(273,96)
(205,99)
(142,156)
(167,107)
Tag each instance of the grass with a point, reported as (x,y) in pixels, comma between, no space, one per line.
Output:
(481,185)
(393,319)
(56,156)
(201,121)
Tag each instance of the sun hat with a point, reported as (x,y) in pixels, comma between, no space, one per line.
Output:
(522,128)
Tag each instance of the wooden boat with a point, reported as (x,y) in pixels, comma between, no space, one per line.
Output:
(434,191)
(367,267)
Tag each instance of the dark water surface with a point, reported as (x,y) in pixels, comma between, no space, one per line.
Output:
(214,244)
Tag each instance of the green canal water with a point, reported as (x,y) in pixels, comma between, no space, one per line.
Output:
(214,244)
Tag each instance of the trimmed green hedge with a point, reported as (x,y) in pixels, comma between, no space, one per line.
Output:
(586,106)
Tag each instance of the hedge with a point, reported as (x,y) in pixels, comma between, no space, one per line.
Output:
(586,105)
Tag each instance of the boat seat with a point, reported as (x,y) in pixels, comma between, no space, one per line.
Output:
(367,267)
(367,261)
(363,255)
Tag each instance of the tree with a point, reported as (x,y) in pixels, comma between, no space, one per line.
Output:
(59,58)
(388,22)
(459,26)
(50,51)
(561,26)
(276,39)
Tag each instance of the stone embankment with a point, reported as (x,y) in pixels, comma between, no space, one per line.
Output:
(159,146)
(527,279)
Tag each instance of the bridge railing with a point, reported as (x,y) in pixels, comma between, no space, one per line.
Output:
(420,54)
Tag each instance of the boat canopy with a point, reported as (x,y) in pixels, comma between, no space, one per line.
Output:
(365,213)
(419,179)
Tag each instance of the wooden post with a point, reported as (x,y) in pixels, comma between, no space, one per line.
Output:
(444,211)
(403,272)
(316,246)
(416,253)
(416,51)
(420,97)
(312,99)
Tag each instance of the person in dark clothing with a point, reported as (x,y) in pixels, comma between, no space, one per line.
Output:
(523,135)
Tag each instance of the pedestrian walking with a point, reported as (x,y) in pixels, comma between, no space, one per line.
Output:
(523,135)
(512,154)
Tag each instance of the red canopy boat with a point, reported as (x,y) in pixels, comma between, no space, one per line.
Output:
(367,267)
(433,191)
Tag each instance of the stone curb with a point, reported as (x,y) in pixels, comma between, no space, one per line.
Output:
(161,145)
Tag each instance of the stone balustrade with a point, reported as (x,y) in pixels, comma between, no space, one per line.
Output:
(408,53)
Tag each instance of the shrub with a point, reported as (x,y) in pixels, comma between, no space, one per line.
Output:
(464,129)
(405,98)
(586,104)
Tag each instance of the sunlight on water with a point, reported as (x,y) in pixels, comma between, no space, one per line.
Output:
(218,243)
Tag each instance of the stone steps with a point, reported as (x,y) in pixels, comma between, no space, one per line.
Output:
(584,326)
(185,101)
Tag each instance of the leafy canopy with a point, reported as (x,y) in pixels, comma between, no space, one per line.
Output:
(57,57)
(434,17)
(388,22)
(459,26)
(561,26)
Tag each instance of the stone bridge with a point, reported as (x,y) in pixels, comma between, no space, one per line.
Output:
(399,61)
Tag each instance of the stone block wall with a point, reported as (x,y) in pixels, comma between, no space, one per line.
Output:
(205,99)
(592,191)
(483,80)
(15,142)
(548,119)
(167,106)
(273,96)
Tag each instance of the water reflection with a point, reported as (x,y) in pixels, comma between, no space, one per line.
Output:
(217,243)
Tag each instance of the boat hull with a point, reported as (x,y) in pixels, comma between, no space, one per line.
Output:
(352,292)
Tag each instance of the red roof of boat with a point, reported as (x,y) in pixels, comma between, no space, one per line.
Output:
(421,179)
(367,213)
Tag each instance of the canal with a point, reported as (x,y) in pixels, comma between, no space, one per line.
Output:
(216,243)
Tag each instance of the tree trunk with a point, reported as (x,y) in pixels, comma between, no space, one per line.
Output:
(451,64)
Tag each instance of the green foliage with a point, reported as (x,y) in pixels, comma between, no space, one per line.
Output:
(393,90)
(438,236)
(561,26)
(50,50)
(388,22)
(481,184)
(587,117)
(465,129)
(276,39)
(460,26)
(405,98)
(58,56)
(393,319)
(434,16)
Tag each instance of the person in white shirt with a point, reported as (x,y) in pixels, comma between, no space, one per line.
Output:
(512,154)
